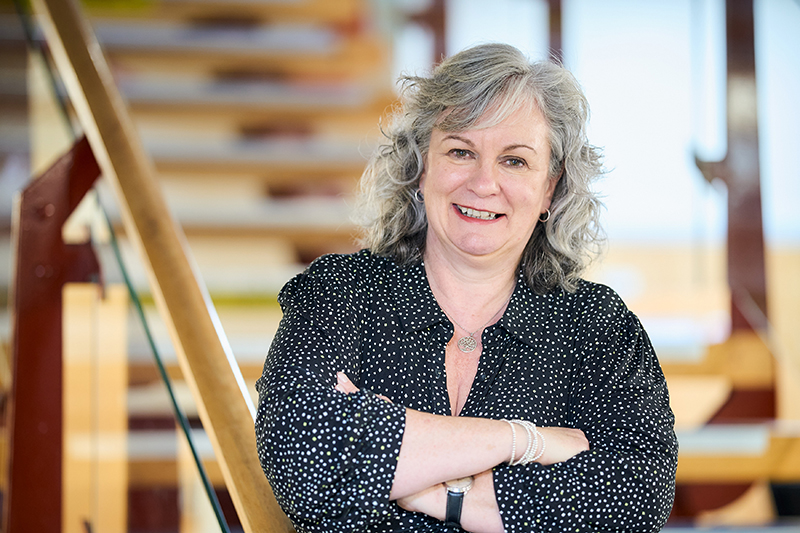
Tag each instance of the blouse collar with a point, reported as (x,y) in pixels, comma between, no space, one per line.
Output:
(524,317)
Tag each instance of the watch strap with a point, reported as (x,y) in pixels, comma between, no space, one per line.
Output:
(452,516)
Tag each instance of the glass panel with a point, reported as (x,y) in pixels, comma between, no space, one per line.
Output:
(171,459)
(132,438)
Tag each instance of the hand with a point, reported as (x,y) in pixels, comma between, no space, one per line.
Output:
(343,384)
(431,501)
(561,444)
(479,511)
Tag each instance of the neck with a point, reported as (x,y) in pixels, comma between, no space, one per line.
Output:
(470,292)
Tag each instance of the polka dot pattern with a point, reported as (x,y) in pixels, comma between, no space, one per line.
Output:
(578,360)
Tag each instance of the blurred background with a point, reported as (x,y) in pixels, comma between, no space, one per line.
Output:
(258,116)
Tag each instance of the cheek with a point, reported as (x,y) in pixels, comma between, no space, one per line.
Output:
(451,177)
(434,180)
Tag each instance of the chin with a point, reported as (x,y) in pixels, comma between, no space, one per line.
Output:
(496,250)
(479,250)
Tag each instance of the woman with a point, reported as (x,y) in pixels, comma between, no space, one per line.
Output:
(402,388)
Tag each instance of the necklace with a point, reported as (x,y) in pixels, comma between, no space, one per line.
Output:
(468,343)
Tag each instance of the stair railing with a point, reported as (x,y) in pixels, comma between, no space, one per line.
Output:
(205,357)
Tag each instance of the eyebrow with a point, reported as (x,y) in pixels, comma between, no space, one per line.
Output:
(458,138)
(470,143)
(513,146)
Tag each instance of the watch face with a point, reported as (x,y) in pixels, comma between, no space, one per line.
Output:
(459,485)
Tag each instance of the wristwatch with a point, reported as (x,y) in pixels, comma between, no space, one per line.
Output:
(456,489)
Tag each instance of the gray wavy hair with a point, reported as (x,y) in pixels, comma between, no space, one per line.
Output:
(480,87)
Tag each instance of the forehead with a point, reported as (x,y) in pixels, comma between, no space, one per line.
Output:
(523,123)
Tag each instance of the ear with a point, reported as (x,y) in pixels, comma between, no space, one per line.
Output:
(424,173)
(548,193)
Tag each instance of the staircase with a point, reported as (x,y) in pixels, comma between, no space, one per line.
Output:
(258,116)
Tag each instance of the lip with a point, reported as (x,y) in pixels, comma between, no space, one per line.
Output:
(458,207)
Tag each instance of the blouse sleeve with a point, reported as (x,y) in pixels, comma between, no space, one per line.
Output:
(626,481)
(330,457)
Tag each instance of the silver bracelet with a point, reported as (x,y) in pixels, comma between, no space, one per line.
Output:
(541,450)
(533,442)
(534,450)
(513,442)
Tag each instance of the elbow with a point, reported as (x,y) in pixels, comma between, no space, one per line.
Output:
(642,496)
(646,513)
(324,453)
(652,506)
(288,411)
(328,455)
(655,493)
(281,453)
(658,506)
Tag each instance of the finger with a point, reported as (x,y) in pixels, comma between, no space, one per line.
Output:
(343,383)
(562,444)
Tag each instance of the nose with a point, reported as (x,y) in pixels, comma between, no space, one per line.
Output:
(484,179)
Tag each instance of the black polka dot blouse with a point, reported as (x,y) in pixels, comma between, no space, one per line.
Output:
(579,360)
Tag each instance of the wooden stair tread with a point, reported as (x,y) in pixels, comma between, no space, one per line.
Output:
(262,98)
(740,453)
(283,151)
(358,58)
(329,216)
(695,399)
(278,158)
(338,12)
(290,49)
(744,359)
(166,37)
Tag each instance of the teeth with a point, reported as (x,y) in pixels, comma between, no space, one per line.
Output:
(474,213)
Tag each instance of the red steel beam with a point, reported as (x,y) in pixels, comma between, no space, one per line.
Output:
(44,263)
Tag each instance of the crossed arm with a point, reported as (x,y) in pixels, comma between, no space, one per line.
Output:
(374,452)
(438,448)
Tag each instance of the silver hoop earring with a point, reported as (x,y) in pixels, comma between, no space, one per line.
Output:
(418,196)
(546,218)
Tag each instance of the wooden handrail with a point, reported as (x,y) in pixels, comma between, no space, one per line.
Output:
(203,352)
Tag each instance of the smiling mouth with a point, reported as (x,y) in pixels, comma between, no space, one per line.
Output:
(474,213)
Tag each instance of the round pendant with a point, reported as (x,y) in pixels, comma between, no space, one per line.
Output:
(467,344)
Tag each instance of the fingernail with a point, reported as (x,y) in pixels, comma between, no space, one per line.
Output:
(341,377)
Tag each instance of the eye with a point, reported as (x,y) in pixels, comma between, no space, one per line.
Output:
(460,153)
(516,162)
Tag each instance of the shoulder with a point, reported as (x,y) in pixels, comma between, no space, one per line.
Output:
(591,303)
(598,297)
(340,276)
(602,315)
(350,269)
(363,261)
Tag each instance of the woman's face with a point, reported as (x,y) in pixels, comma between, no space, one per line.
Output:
(485,188)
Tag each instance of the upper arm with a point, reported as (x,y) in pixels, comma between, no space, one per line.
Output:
(330,456)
